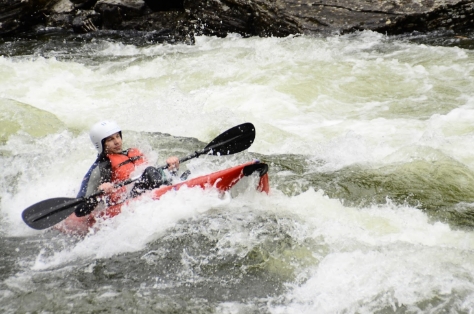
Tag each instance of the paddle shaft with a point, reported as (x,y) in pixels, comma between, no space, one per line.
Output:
(181,160)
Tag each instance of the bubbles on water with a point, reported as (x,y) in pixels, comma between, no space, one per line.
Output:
(363,136)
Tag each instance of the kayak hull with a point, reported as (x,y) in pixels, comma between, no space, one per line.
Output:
(222,180)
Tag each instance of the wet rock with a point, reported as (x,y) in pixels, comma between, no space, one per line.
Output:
(186,18)
(165,5)
(63,6)
(114,12)
(279,18)
(60,20)
(249,18)
(131,7)
(83,4)
(20,15)
(85,22)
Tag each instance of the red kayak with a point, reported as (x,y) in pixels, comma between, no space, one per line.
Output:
(222,180)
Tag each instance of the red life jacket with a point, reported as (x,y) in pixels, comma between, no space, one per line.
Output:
(122,167)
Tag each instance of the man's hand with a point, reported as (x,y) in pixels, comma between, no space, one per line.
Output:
(107,187)
(173,163)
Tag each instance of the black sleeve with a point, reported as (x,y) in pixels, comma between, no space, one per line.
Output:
(102,173)
(105,168)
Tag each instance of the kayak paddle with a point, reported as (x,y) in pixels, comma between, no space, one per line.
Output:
(49,212)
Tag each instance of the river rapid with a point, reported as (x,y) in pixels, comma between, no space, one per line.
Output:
(368,139)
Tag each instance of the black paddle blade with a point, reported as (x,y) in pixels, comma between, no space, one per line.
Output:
(234,140)
(49,212)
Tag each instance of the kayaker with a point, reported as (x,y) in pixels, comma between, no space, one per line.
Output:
(113,164)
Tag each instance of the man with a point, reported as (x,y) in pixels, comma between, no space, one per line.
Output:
(113,165)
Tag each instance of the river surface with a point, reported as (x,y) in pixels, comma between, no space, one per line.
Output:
(369,140)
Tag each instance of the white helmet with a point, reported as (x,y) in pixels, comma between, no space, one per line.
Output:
(102,130)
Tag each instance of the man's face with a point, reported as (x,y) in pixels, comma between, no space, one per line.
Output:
(113,144)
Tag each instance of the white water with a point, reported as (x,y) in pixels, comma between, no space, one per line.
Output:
(348,100)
